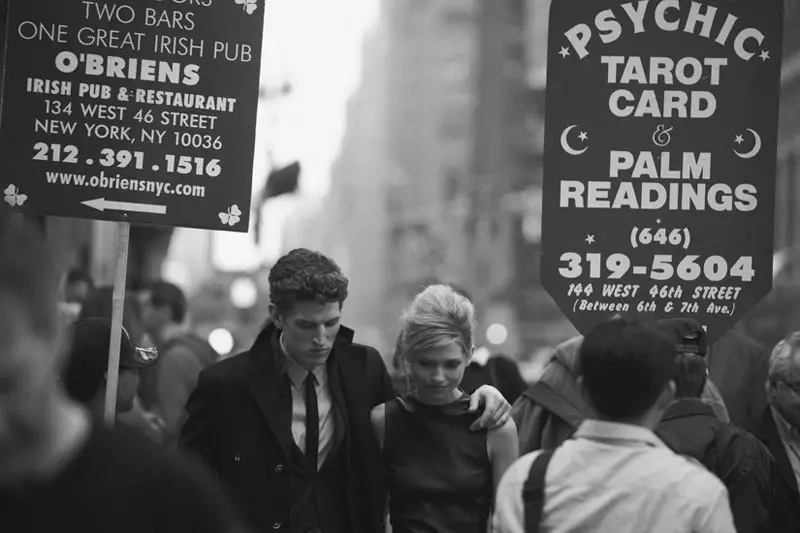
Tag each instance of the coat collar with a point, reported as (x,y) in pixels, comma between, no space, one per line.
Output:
(767,432)
(687,407)
(271,392)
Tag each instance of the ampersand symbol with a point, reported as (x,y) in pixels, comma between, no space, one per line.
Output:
(668,308)
(122,95)
(661,136)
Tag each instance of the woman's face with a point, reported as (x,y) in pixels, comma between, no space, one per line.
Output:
(436,374)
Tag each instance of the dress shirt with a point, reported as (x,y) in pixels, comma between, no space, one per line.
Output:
(617,478)
(297,377)
(791,442)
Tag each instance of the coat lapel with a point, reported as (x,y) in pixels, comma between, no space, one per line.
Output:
(768,433)
(266,387)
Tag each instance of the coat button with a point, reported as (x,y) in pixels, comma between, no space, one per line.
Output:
(276,525)
(279,468)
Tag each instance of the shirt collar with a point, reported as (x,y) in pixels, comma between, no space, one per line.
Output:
(622,434)
(298,373)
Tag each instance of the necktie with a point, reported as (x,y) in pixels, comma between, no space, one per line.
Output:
(312,421)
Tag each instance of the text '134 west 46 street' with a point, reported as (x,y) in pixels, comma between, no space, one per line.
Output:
(660,157)
(142,111)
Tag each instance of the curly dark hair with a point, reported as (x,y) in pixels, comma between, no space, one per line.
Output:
(304,275)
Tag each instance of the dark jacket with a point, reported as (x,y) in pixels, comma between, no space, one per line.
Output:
(738,366)
(501,372)
(239,426)
(735,456)
(550,410)
(786,499)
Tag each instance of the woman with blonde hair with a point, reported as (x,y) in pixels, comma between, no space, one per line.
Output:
(441,475)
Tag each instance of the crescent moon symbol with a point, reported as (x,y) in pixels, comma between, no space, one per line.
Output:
(565,143)
(756,149)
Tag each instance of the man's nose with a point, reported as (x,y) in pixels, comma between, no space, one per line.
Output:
(319,336)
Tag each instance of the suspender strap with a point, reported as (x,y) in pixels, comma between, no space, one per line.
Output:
(533,492)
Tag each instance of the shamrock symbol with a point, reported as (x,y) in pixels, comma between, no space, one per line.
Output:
(13,197)
(249,6)
(232,216)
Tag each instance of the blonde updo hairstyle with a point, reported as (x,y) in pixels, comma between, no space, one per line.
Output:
(438,316)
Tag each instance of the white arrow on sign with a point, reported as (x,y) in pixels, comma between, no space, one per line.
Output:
(101,204)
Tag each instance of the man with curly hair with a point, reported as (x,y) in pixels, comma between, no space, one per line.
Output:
(286,425)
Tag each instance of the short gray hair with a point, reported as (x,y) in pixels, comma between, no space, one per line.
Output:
(782,357)
(438,316)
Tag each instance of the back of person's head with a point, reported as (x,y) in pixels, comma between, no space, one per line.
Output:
(168,295)
(625,367)
(304,275)
(438,316)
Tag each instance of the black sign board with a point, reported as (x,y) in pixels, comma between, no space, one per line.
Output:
(139,111)
(660,158)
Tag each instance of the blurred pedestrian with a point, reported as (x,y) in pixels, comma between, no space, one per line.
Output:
(738,367)
(498,370)
(59,469)
(286,425)
(552,409)
(778,427)
(78,285)
(441,475)
(182,356)
(615,475)
(690,427)
(100,304)
(85,375)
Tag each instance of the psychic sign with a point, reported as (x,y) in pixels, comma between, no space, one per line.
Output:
(141,111)
(660,158)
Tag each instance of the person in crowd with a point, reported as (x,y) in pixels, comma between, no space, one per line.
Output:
(78,284)
(183,355)
(60,470)
(552,409)
(99,304)
(85,374)
(778,427)
(441,475)
(286,425)
(689,427)
(497,370)
(615,475)
(738,367)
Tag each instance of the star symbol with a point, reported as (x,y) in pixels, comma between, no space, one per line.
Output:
(739,139)
(583,136)
(564,52)
(764,55)
(590,239)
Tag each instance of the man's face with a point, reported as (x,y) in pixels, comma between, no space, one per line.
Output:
(154,318)
(784,395)
(28,370)
(309,330)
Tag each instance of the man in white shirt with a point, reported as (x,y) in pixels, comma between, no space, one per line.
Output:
(615,475)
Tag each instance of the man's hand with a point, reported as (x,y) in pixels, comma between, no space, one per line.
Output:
(496,410)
